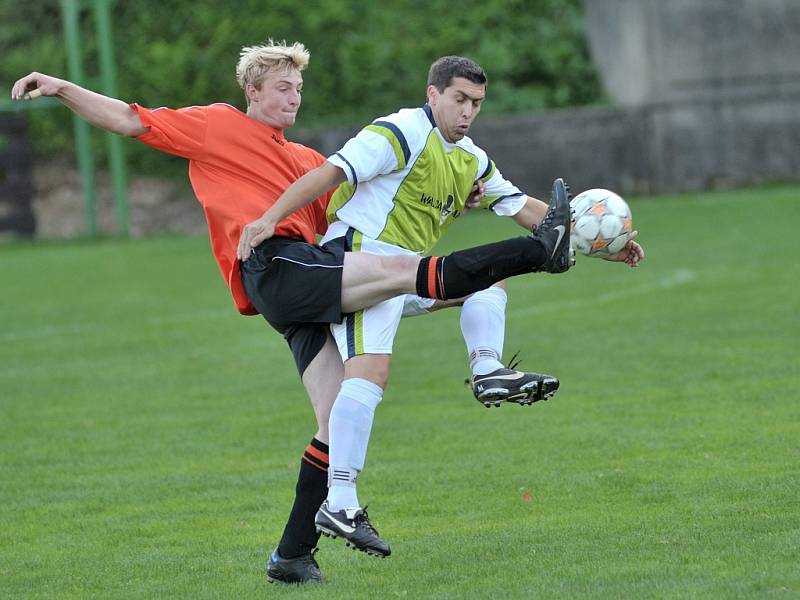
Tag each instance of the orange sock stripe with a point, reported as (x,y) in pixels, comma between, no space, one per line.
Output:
(313,462)
(318,454)
(432,276)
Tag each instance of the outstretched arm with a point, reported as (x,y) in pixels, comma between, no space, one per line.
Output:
(302,192)
(101,111)
(531,213)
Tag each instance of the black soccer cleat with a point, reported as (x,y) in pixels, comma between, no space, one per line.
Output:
(509,385)
(301,569)
(354,526)
(553,232)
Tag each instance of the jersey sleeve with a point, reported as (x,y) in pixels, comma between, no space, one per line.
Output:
(378,149)
(181,132)
(321,210)
(500,195)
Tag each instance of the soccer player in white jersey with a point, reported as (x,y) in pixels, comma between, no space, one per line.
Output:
(405,178)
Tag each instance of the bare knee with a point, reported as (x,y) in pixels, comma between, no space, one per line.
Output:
(372,367)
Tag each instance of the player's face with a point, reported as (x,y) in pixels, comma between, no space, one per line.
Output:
(277,101)
(456,107)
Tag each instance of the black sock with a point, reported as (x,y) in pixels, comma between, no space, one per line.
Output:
(300,534)
(467,271)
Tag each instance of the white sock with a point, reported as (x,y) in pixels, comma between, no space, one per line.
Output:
(349,427)
(483,325)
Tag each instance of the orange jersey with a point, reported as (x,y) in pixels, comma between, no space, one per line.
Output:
(238,168)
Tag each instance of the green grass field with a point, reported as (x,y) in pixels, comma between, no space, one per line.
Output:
(150,437)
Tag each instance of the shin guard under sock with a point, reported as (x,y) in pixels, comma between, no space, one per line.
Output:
(349,428)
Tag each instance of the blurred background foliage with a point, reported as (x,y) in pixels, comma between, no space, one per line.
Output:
(367,58)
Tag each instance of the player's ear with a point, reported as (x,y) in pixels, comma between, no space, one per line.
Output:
(432,93)
(251,92)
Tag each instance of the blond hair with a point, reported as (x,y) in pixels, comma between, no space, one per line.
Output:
(255,62)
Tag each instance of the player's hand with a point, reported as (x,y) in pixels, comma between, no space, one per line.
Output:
(252,235)
(34,85)
(631,254)
(475,196)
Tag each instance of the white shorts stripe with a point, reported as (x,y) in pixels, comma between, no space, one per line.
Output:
(297,262)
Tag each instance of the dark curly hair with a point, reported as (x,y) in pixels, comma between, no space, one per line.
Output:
(444,69)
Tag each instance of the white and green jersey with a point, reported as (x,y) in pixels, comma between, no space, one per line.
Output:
(406,184)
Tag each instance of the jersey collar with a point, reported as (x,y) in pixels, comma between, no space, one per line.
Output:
(276,133)
(428,111)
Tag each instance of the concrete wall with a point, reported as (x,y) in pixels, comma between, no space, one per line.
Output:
(651,51)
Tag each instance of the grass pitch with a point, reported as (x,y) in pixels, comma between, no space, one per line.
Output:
(150,437)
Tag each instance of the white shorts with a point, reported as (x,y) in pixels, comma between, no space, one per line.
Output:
(372,330)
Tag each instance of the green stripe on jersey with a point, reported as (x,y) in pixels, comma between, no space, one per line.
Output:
(395,143)
(487,200)
(489,172)
(340,197)
(357,239)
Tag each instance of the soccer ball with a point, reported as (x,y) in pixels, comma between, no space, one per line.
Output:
(603,223)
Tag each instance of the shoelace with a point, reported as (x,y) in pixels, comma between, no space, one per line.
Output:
(364,518)
(549,215)
(309,558)
(511,365)
(548,218)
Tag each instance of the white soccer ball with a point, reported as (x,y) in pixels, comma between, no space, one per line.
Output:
(603,223)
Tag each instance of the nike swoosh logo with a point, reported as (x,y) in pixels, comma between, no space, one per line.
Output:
(345,528)
(561,231)
(504,377)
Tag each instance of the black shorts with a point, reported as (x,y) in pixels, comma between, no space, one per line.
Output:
(297,288)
